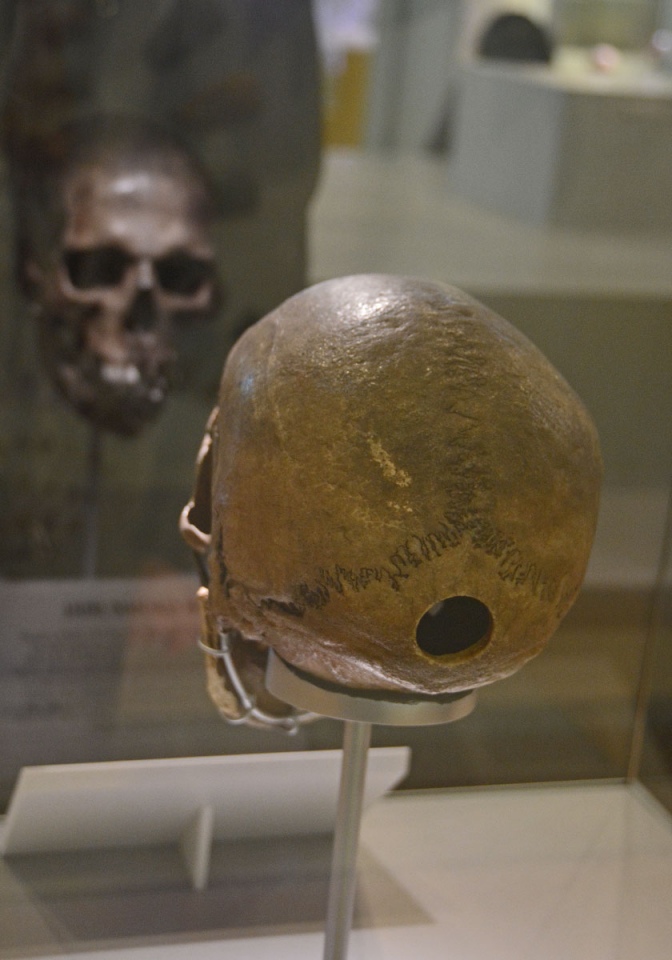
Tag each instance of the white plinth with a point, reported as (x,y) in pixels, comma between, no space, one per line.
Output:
(575,872)
(577,150)
(191,801)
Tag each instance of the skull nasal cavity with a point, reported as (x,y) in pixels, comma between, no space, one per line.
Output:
(453,625)
(142,315)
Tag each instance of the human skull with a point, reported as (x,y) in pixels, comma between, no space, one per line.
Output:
(133,258)
(404,490)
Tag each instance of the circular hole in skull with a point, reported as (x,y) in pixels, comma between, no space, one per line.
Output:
(453,625)
(98,267)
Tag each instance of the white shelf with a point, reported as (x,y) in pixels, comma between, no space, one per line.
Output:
(564,873)
(191,801)
(399,214)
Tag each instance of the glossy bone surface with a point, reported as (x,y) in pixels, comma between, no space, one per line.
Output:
(404,489)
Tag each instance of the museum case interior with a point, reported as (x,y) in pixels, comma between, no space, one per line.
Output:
(172,172)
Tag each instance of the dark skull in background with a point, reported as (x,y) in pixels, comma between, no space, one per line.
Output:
(130,258)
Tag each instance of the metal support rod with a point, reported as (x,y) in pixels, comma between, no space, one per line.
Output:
(91,506)
(359,712)
(356,740)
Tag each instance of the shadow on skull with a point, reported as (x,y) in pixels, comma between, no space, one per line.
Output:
(115,253)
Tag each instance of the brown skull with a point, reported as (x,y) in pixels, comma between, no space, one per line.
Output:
(404,490)
(134,257)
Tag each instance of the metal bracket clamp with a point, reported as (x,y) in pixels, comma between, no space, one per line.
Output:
(247,700)
(289,684)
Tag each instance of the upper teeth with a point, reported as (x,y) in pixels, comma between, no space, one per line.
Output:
(117,373)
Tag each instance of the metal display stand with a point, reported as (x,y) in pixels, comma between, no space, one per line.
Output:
(359,711)
(91,505)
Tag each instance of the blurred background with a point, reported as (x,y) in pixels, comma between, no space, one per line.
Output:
(517,150)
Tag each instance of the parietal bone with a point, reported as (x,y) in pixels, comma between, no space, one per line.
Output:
(401,493)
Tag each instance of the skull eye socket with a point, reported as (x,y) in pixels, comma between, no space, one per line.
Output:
(98,267)
(182,274)
(454,625)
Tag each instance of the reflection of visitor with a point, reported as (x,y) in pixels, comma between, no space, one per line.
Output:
(238,80)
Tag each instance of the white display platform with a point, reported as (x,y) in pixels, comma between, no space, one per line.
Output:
(566,872)
(193,801)
(577,148)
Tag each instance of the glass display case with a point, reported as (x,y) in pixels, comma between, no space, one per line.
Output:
(173,171)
